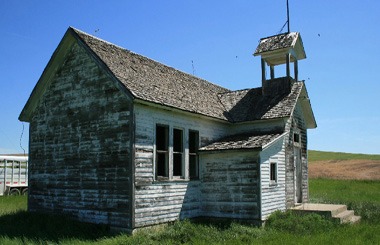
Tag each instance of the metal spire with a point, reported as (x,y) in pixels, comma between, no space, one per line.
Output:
(287,11)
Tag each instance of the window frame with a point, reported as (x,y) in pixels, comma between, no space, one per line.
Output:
(164,152)
(297,138)
(194,154)
(176,153)
(273,173)
(177,147)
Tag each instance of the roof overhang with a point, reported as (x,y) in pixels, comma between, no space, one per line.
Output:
(277,56)
(307,111)
(244,141)
(280,137)
(178,110)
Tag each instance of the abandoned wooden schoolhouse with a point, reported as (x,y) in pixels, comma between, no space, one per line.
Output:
(119,139)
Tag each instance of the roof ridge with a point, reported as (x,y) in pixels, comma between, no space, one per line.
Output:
(238,90)
(146,58)
(280,34)
(97,38)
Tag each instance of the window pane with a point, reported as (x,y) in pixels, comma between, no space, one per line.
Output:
(296,138)
(193,141)
(177,164)
(177,140)
(273,171)
(162,156)
(162,164)
(193,157)
(193,166)
(162,136)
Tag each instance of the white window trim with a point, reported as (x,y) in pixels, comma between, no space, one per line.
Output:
(196,154)
(185,158)
(171,152)
(275,181)
(155,149)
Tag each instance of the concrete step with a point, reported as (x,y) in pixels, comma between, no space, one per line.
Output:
(332,211)
(355,219)
(344,217)
(323,209)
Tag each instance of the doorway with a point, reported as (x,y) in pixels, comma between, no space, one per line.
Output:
(297,175)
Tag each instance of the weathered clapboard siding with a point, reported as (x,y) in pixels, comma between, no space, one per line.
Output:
(272,194)
(301,125)
(273,125)
(165,202)
(80,146)
(296,122)
(160,202)
(230,186)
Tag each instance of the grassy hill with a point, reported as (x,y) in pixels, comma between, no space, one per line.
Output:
(331,156)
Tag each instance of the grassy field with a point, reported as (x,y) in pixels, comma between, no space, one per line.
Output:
(334,156)
(20,227)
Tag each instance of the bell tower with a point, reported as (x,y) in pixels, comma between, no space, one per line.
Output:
(278,50)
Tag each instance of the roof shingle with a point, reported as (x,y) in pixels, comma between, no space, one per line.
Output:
(152,81)
(242,141)
(251,105)
(281,41)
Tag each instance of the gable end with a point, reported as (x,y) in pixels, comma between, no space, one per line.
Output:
(56,61)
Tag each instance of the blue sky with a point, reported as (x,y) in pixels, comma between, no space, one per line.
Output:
(215,40)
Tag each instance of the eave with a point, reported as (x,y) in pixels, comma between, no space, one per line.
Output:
(307,109)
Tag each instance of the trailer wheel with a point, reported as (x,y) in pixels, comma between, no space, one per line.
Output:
(25,192)
(14,192)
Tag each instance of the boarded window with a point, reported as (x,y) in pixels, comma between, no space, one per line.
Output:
(273,172)
(193,154)
(177,152)
(162,153)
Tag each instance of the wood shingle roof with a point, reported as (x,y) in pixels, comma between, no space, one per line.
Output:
(251,105)
(281,41)
(242,141)
(152,81)
(275,48)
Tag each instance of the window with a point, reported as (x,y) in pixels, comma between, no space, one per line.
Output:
(171,162)
(273,172)
(296,138)
(177,152)
(193,154)
(162,151)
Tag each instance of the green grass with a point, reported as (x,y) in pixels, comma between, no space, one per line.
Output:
(334,156)
(360,195)
(344,190)
(20,227)
(17,226)
(12,204)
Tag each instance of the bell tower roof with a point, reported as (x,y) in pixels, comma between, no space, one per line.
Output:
(273,50)
(286,48)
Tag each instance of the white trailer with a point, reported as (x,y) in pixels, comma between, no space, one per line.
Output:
(13,175)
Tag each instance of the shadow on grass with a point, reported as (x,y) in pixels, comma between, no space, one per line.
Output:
(37,226)
(223,223)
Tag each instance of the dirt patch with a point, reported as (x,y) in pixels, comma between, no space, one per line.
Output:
(345,169)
